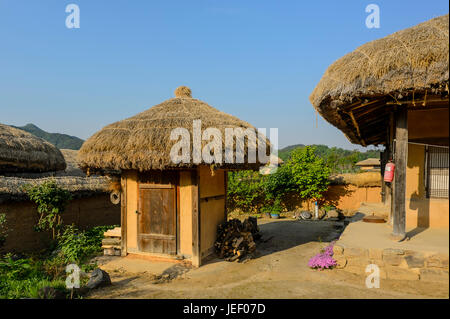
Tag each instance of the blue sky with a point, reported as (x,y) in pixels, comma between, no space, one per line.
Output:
(255,59)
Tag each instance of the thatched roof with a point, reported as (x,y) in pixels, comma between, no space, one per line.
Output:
(142,142)
(72,179)
(402,67)
(367,179)
(22,152)
(369,162)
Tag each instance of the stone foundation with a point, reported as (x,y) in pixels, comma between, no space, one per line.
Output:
(397,264)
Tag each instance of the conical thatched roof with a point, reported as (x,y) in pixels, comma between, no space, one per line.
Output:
(22,152)
(142,142)
(408,62)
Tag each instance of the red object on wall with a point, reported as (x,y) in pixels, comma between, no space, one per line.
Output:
(389,172)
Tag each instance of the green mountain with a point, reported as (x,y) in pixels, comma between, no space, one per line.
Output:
(338,159)
(61,141)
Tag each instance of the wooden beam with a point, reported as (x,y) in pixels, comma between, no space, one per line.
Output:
(196,251)
(355,124)
(401,161)
(123,215)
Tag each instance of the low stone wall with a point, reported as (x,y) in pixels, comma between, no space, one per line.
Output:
(397,264)
(84,212)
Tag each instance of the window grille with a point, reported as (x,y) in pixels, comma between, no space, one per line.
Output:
(437,171)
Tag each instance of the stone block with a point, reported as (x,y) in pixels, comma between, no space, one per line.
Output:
(338,250)
(356,261)
(415,261)
(341,261)
(356,252)
(393,251)
(393,260)
(397,273)
(359,270)
(435,275)
(437,261)
(375,253)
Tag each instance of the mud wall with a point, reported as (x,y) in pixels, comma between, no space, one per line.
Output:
(83,212)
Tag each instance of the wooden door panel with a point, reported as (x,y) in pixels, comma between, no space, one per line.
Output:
(157,220)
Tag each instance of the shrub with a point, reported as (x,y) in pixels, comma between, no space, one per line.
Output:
(245,190)
(77,246)
(310,174)
(3,229)
(51,202)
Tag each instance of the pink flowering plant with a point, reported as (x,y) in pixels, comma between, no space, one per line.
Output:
(324,259)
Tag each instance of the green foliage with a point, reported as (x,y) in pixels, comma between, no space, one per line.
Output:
(51,202)
(77,246)
(309,173)
(277,185)
(274,207)
(305,174)
(339,160)
(24,277)
(245,190)
(3,229)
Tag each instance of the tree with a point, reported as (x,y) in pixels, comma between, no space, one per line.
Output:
(309,172)
(51,202)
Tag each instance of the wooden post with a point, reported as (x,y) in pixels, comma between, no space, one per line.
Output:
(123,215)
(401,161)
(196,251)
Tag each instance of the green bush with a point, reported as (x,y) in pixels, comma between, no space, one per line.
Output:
(305,174)
(77,246)
(245,190)
(24,277)
(310,174)
(3,229)
(51,202)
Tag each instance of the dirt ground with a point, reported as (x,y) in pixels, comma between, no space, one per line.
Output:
(279,271)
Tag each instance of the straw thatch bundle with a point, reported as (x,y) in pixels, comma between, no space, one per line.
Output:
(12,188)
(20,151)
(369,162)
(408,62)
(143,142)
(366,179)
(72,179)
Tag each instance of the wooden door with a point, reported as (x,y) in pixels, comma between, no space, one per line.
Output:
(157,222)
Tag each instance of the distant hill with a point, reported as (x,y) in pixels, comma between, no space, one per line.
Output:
(340,160)
(61,141)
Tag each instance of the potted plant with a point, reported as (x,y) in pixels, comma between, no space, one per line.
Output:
(276,209)
(266,210)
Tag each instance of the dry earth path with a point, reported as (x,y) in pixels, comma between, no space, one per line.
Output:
(279,271)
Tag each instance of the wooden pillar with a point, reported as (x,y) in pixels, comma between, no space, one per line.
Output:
(123,215)
(196,252)
(401,161)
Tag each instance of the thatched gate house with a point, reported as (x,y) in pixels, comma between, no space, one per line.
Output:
(168,209)
(394,92)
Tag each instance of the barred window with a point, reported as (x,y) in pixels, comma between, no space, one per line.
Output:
(437,168)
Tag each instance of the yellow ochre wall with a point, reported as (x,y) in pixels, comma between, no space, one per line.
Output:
(422,211)
(212,211)
(185,213)
(132,207)
(427,126)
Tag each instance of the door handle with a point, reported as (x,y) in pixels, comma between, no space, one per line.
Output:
(137,212)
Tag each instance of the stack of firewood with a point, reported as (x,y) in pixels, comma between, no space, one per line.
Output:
(236,239)
(111,243)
